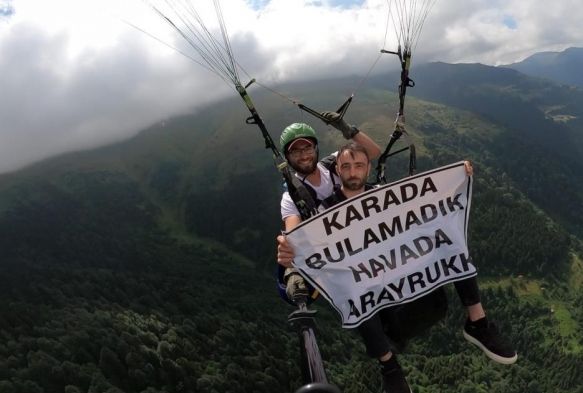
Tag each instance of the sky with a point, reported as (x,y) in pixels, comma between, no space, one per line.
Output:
(77,74)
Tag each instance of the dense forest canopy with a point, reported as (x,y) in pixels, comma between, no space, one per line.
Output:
(147,266)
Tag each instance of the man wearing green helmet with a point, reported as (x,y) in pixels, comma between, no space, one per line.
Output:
(299,144)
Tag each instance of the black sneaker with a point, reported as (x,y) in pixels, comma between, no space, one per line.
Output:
(485,335)
(393,377)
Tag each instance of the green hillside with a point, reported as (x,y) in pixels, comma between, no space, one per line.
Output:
(541,148)
(146,266)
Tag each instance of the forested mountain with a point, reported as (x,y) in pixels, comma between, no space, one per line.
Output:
(541,144)
(146,266)
(562,67)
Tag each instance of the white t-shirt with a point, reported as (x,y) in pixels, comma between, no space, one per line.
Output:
(323,191)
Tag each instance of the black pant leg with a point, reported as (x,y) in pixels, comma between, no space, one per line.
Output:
(374,337)
(468,291)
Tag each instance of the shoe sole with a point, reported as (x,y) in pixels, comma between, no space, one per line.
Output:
(490,354)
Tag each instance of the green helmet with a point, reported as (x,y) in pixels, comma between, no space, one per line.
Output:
(295,131)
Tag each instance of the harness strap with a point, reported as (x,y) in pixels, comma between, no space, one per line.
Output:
(300,195)
(405,60)
(328,164)
(341,110)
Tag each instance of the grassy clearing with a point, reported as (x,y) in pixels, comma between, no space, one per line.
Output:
(568,329)
(522,286)
(576,276)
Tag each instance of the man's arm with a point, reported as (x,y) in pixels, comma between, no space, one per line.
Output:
(295,284)
(373,150)
(291,222)
(351,132)
(285,253)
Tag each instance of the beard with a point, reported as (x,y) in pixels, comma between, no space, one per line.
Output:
(305,169)
(354,183)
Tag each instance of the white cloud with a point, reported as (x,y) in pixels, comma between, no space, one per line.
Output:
(478,31)
(75,75)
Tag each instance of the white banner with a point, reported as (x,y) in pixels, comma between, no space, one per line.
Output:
(389,245)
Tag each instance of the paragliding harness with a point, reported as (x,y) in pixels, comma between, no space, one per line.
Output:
(314,375)
(328,163)
(297,190)
(399,130)
(404,322)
